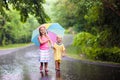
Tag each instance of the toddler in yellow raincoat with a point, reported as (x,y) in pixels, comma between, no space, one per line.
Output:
(59,51)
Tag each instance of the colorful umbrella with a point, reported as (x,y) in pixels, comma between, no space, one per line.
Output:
(53,29)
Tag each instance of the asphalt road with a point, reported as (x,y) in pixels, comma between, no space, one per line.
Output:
(23,64)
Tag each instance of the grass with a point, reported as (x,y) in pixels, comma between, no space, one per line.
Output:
(72,52)
(10,46)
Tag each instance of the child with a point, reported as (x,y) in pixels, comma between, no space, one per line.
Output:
(44,48)
(59,49)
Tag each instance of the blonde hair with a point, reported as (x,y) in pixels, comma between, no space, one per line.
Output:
(42,26)
(58,36)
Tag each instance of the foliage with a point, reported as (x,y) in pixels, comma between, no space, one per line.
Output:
(108,23)
(100,18)
(106,54)
(25,7)
(14,31)
(77,13)
(84,39)
(64,13)
(94,16)
(73,51)
(88,45)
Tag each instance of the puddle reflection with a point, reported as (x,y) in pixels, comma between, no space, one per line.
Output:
(58,75)
(50,76)
(44,76)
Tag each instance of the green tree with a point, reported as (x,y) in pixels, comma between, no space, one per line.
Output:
(25,7)
(111,22)
(99,17)
(14,31)
(64,13)
(77,13)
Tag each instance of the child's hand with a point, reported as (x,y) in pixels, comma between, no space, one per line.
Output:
(63,55)
(52,46)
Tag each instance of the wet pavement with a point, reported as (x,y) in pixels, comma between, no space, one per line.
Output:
(23,64)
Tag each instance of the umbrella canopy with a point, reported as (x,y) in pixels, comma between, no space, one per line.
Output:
(53,29)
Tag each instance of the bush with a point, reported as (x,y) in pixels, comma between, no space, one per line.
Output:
(88,45)
(103,54)
(84,40)
(108,54)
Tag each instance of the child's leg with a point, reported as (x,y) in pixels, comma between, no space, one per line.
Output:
(41,65)
(56,64)
(46,66)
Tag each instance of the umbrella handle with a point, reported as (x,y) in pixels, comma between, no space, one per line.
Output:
(46,32)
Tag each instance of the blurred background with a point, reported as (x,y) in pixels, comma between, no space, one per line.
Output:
(94,25)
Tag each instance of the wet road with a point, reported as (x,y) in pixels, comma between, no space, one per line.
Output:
(23,65)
